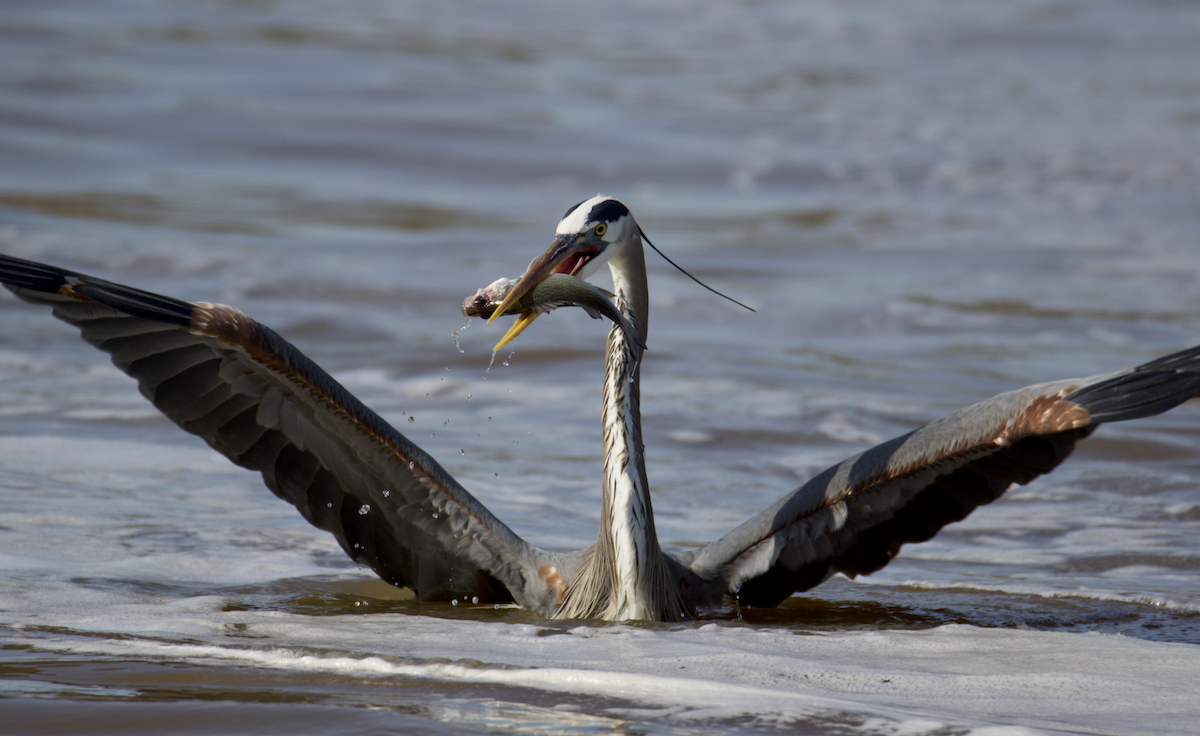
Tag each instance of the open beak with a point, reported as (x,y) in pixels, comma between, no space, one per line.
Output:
(567,254)
(523,320)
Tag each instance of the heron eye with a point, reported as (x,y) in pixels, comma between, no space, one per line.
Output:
(600,230)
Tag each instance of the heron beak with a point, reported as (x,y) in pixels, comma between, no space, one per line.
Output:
(566,254)
(523,321)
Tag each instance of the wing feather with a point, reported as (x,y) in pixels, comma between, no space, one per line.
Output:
(855,516)
(260,402)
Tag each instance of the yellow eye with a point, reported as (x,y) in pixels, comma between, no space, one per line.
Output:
(600,230)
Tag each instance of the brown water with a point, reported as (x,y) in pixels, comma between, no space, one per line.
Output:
(927,202)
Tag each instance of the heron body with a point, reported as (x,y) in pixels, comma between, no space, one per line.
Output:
(260,402)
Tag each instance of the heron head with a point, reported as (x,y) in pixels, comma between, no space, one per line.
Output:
(591,233)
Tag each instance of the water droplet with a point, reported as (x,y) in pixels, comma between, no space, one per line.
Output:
(329,505)
(497,476)
(489,419)
(456,535)
(454,602)
(363,511)
(462,452)
(435,514)
(497,606)
(445,422)
(357,604)
(475,599)
(504,363)
(455,335)
(447,367)
(386,493)
(411,420)
(410,464)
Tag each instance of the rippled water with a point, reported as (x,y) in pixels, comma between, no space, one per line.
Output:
(927,202)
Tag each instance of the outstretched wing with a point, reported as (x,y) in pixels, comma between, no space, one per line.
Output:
(854,517)
(263,404)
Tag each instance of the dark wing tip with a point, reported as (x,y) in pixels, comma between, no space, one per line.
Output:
(1149,389)
(22,274)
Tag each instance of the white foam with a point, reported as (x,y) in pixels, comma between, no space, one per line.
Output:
(909,681)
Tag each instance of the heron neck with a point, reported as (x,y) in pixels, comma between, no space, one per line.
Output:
(625,575)
(627,535)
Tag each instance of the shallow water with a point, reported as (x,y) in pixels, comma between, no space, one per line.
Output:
(927,203)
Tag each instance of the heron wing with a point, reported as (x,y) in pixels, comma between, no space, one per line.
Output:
(854,517)
(259,401)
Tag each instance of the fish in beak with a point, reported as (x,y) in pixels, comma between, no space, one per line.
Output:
(568,254)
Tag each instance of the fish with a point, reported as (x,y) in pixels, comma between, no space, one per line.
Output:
(557,290)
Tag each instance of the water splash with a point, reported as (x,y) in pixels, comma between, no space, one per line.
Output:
(455,335)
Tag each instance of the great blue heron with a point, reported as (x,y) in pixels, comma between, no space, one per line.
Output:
(260,402)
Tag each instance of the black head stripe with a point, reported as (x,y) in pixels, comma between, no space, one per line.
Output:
(610,210)
(571,209)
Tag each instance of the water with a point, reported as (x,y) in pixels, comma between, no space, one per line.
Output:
(927,202)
